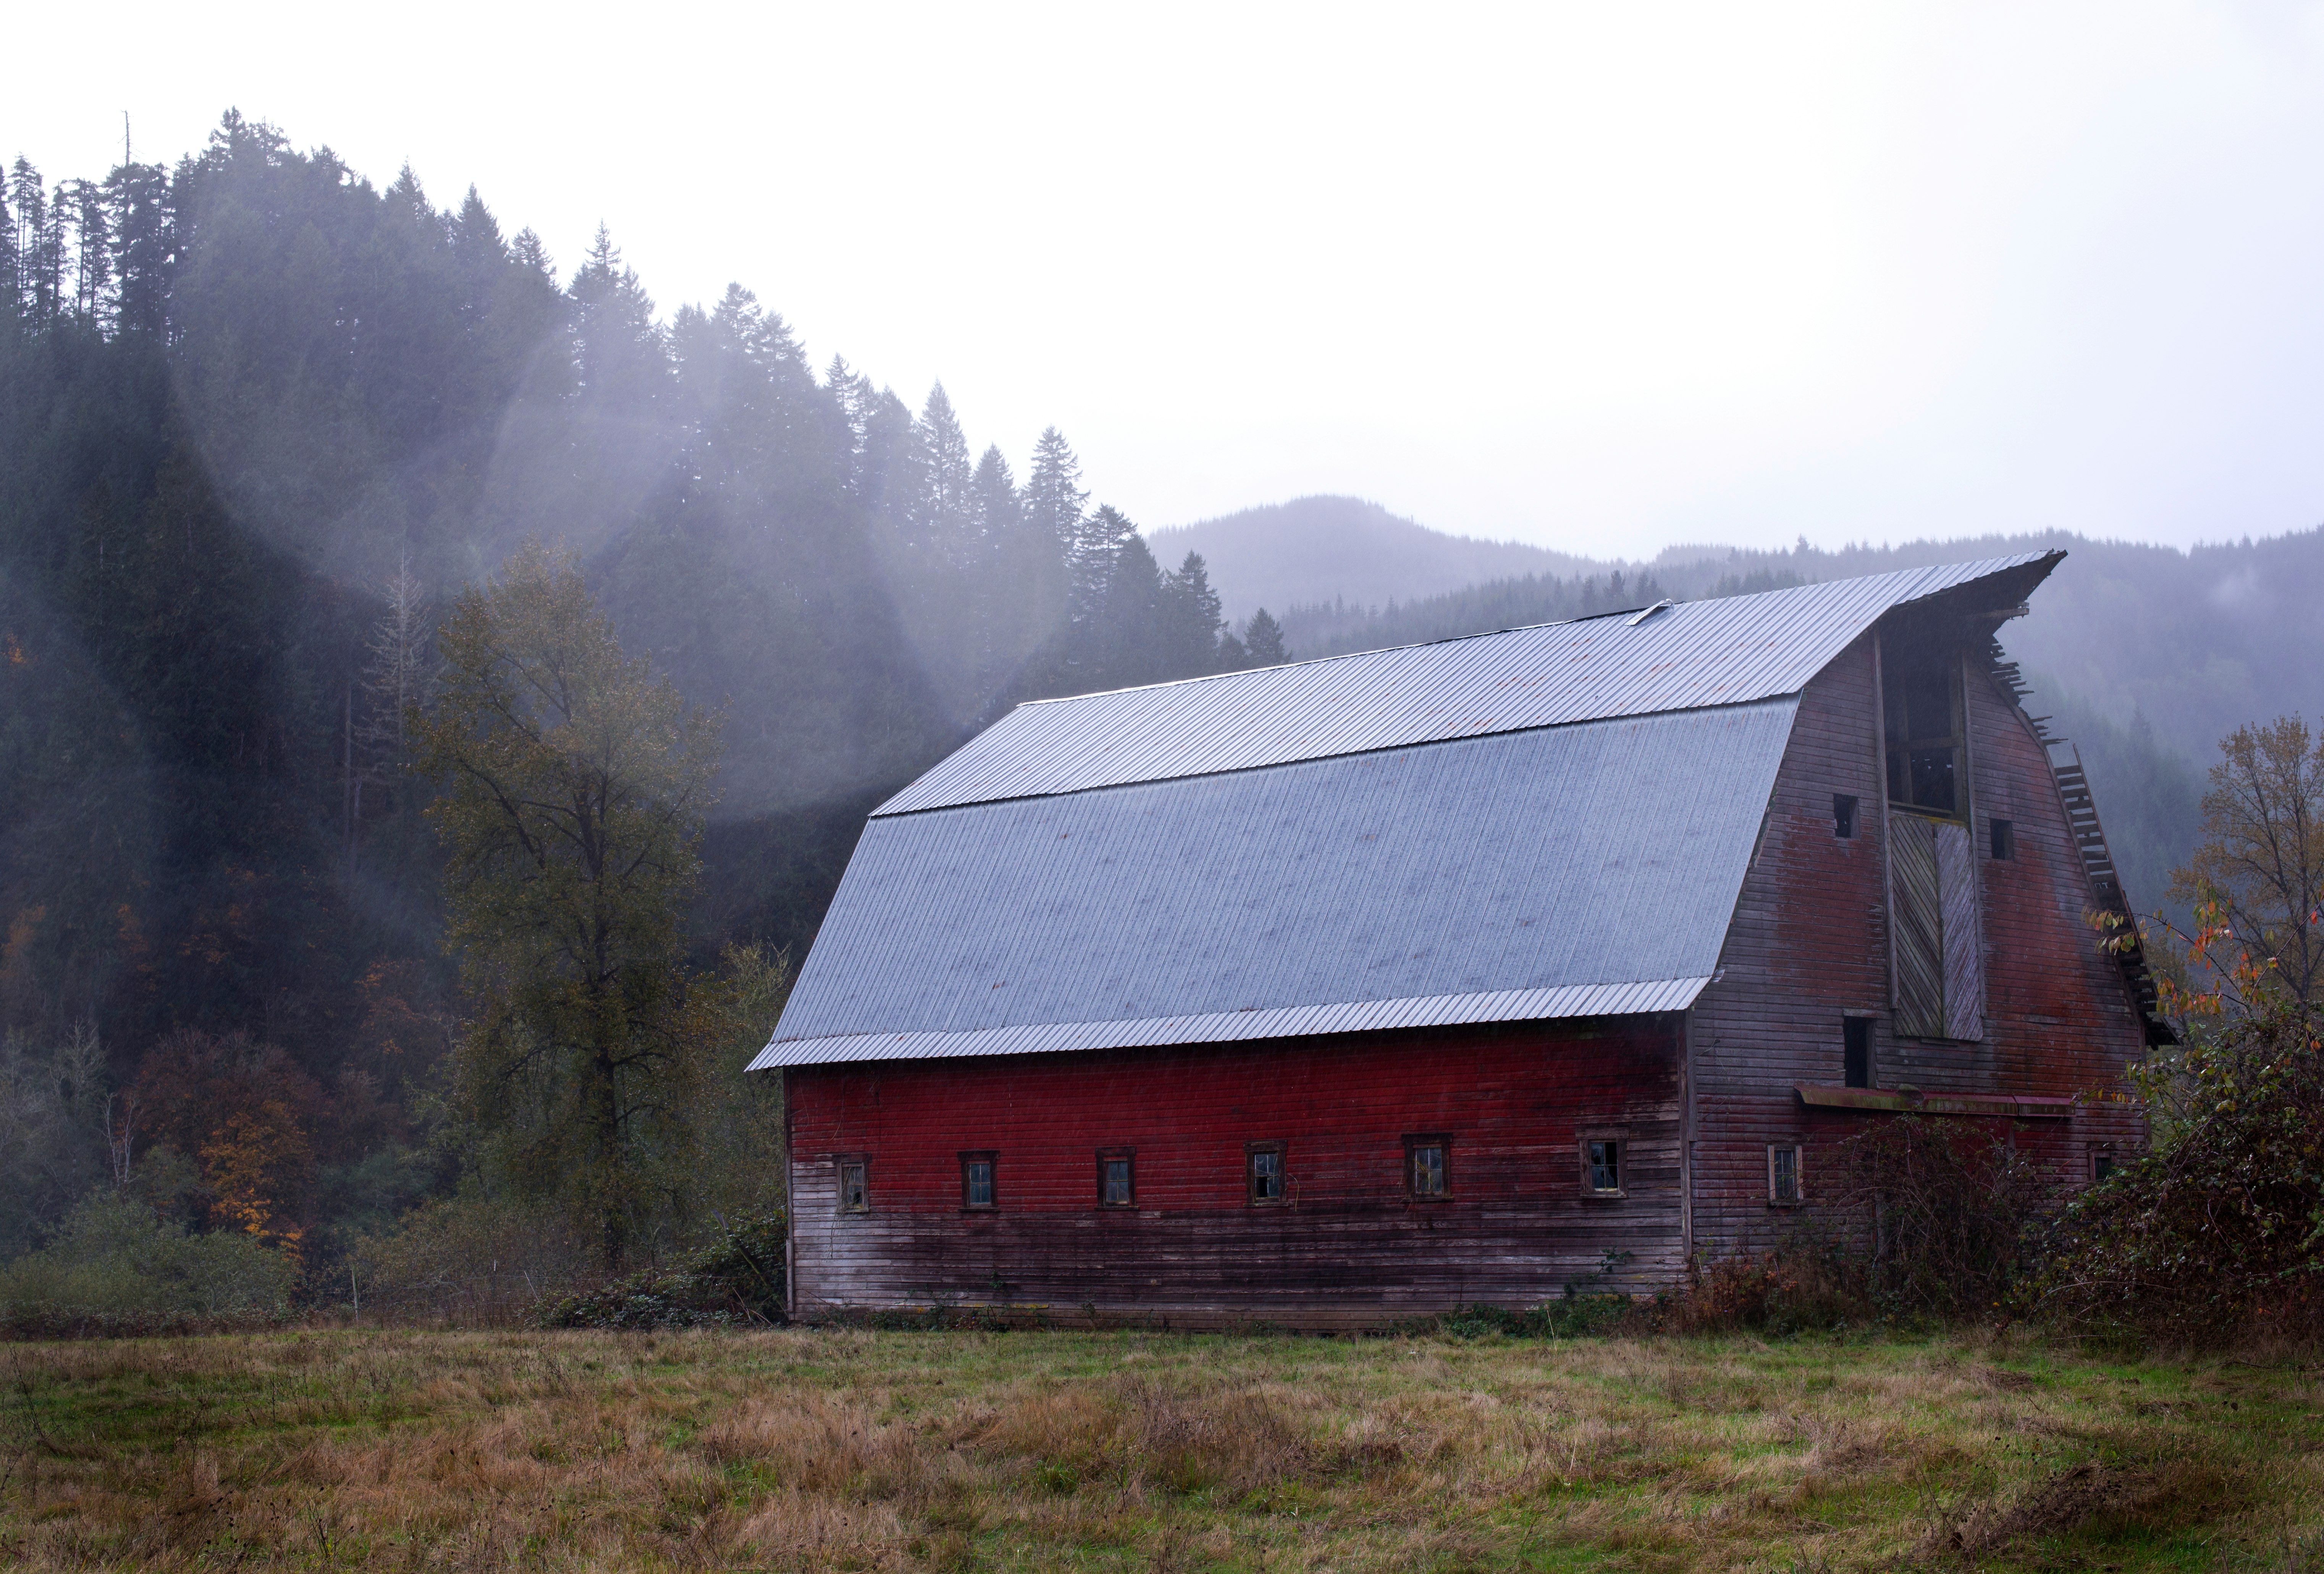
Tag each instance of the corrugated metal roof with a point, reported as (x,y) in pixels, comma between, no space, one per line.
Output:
(1692,654)
(1576,869)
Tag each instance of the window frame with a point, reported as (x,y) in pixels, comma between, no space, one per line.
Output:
(1900,744)
(843,1162)
(2001,839)
(1620,1142)
(1798,1150)
(1250,1152)
(991,1159)
(1121,1156)
(1850,1028)
(2103,1163)
(1846,814)
(1413,1143)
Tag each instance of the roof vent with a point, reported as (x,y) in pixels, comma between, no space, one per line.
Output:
(1661,605)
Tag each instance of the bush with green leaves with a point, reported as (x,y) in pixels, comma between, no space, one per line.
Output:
(114,1266)
(2218,1233)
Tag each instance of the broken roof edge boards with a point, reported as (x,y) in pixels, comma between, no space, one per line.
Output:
(1691,656)
(1634,998)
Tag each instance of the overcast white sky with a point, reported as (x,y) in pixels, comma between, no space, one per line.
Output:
(1601,277)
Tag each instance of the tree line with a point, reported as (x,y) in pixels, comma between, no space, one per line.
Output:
(262,425)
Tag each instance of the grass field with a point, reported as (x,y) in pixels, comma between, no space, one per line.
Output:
(853,1450)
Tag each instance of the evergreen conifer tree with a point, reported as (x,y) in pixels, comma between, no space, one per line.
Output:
(1191,620)
(942,514)
(528,251)
(1129,638)
(138,198)
(92,250)
(992,501)
(1097,547)
(10,297)
(1262,641)
(35,272)
(1054,498)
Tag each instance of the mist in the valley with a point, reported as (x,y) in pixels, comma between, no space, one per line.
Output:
(265,415)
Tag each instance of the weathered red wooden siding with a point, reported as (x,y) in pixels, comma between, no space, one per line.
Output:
(1810,947)
(1349,1249)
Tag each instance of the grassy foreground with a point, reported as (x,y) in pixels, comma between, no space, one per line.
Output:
(851,1450)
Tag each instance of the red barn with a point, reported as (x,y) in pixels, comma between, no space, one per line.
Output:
(1356,989)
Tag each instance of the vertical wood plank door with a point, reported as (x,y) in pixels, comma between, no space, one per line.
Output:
(1920,983)
(1963,936)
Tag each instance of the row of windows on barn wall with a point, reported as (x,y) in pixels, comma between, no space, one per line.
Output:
(1267,1177)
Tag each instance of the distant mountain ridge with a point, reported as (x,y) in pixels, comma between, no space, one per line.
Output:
(1328,548)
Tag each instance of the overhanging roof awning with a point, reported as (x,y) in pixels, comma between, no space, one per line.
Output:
(1912,1101)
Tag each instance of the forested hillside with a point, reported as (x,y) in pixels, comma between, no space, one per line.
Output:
(259,419)
(262,420)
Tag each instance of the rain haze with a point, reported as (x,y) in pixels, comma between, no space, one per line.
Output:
(1599,279)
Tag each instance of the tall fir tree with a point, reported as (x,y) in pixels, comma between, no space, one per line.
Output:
(1054,498)
(942,511)
(1191,620)
(11,274)
(1097,548)
(138,200)
(1262,641)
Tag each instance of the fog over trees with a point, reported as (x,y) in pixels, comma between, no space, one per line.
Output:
(261,423)
(265,423)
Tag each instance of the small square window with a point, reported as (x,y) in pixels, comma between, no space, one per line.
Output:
(854,1187)
(1843,815)
(2004,839)
(1601,1166)
(976,1180)
(1117,1178)
(2101,1164)
(1427,1171)
(1264,1172)
(1783,1176)
(1855,1051)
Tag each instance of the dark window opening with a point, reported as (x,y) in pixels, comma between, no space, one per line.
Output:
(1921,706)
(1427,1173)
(1932,779)
(1602,1165)
(1855,1051)
(2004,839)
(1117,1179)
(2101,1165)
(1782,1175)
(1263,1172)
(976,1189)
(854,1192)
(1843,815)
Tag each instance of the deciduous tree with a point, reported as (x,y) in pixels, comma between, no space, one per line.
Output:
(2256,881)
(574,784)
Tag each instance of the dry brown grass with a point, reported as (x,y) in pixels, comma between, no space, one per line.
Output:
(853,1450)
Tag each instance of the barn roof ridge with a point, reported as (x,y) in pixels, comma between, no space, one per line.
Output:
(1403,745)
(1690,655)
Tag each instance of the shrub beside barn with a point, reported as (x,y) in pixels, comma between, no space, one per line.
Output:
(1361,988)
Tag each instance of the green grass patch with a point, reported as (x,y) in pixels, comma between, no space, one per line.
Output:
(1480,1447)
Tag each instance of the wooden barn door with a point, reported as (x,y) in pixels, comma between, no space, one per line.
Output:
(1940,975)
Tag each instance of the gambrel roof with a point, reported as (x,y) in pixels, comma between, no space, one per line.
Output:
(1547,821)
